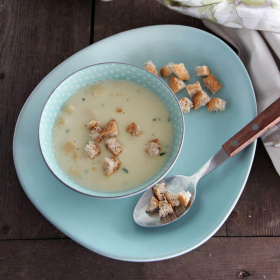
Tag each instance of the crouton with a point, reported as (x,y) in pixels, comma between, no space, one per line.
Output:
(111,165)
(172,198)
(167,70)
(176,84)
(193,89)
(153,205)
(212,84)
(153,147)
(119,110)
(165,208)
(113,146)
(185,105)
(69,109)
(181,72)
(159,191)
(184,198)
(134,129)
(69,147)
(149,66)
(96,131)
(202,70)
(216,105)
(200,99)
(110,130)
(92,150)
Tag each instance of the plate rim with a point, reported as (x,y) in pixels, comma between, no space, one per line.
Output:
(81,242)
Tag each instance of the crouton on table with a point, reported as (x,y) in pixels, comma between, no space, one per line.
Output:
(176,84)
(202,70)
(92,150)
(181,72)
(110,130)
(166,70)
(212,84)
(185,105)
(113,146)
(149,66)
(216,105)
(153,147)
(200,99)
(111,165)
(193,89)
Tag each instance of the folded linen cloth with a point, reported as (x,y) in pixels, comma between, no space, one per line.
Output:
(259,50)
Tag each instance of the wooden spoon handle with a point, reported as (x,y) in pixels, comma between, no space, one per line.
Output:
(253,130)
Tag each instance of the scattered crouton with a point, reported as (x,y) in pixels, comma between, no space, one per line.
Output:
(110,130)
(165,208)
(185,105)
(212,84)
(159,191)
(172,198)
(193,89)
(216,105)
(69,147)
(153,147)
(184,198)
(114,146)
(134,129)
(153,205)
(92,150)
(96,131)
(200,99)
(111,165)
(119,110)
(181,72)
(202,71)
(176,84)
(149,66)
(76,170)
(167,70)
(69,109)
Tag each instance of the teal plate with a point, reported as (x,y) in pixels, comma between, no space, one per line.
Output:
(106,226)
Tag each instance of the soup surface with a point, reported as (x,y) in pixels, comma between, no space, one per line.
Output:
(99,102)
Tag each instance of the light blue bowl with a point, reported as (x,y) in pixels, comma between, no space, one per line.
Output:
(92,74)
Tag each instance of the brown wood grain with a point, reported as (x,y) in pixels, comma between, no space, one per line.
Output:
(219,258)
(35,36)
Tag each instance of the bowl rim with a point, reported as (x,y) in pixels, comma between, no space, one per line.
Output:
(131,193)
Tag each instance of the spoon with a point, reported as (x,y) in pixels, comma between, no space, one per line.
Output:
(175,184)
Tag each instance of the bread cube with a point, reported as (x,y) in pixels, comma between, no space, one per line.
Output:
(202,70)
(176,84)
(212,84)
(216,105)
(185,105)
(193,89)
(172,198)
(153,205)
(110,130)
(153,147)
(111,165)
(200,99)
(69,147)
(92,150)
(134,129)
(181,72)
(159,191)
(184,198)
(96,131)
(165,208)
(167,70)
(114,146)
(149,66)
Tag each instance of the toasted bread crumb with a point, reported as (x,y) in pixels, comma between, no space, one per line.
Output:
(184,198)
(153,205)
(69,147)
(200,99)
(193,89)
(110,130)
(216,105)
(166,70)
(134,129)
(111,165)
(176,84)
(185,105)
(114,146)
(153,147)
(96,131)
(149,66)
(159,191)
(92,150)
(165,208)
(202,70)
(212,84)
(172,198)
(119,110)
(181,72)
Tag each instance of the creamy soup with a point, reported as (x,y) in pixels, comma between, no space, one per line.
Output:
(125,102)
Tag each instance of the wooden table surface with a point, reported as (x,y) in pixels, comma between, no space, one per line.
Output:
(36,36)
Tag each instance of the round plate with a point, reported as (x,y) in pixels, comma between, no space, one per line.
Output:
(106,226)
